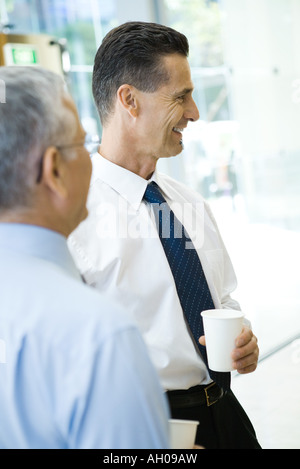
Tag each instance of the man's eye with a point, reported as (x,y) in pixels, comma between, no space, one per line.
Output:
(180,98)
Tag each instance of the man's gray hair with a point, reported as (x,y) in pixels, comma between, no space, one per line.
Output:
(32,118)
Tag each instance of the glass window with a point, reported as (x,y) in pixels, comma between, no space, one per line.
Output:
(82,23)
(246,145)
(243,154)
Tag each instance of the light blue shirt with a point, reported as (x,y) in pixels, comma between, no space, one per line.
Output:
(74,370)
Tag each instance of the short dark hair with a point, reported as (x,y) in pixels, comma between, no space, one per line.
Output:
(131,53)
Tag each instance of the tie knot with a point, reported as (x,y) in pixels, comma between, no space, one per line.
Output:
(153,194)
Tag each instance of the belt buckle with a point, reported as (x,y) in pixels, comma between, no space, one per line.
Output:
(208,402)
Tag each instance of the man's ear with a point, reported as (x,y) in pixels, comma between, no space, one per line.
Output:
(127,98)
(54,170)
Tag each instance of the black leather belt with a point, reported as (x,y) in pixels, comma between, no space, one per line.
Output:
(197,395)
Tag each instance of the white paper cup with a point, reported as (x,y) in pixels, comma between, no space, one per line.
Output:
(182,433)
(221,328)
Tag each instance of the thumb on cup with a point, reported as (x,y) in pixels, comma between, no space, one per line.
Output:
(202,340)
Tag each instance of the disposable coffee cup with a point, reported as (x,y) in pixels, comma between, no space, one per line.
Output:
(221,328)
(183,433)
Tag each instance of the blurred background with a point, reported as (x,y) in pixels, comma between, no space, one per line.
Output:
(243,155)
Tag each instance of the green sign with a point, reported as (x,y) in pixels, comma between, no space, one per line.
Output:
(24,55)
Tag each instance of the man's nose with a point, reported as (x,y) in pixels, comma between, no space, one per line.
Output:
(192,112)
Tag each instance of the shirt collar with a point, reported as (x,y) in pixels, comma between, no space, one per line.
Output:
(38,242)
(127,184)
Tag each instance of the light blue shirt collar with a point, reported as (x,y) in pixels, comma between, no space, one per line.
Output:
(38,242)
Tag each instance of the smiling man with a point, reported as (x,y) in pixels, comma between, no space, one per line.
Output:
(135,247)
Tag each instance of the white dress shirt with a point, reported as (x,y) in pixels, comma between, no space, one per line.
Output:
(118,251)
(74,370)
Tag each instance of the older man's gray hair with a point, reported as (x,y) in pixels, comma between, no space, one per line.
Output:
(32,118)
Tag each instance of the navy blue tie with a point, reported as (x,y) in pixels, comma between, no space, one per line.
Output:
(191,285)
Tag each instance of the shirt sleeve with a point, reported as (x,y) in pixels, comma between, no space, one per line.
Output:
(121,404)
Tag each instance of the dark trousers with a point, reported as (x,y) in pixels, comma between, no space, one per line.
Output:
(223,425)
